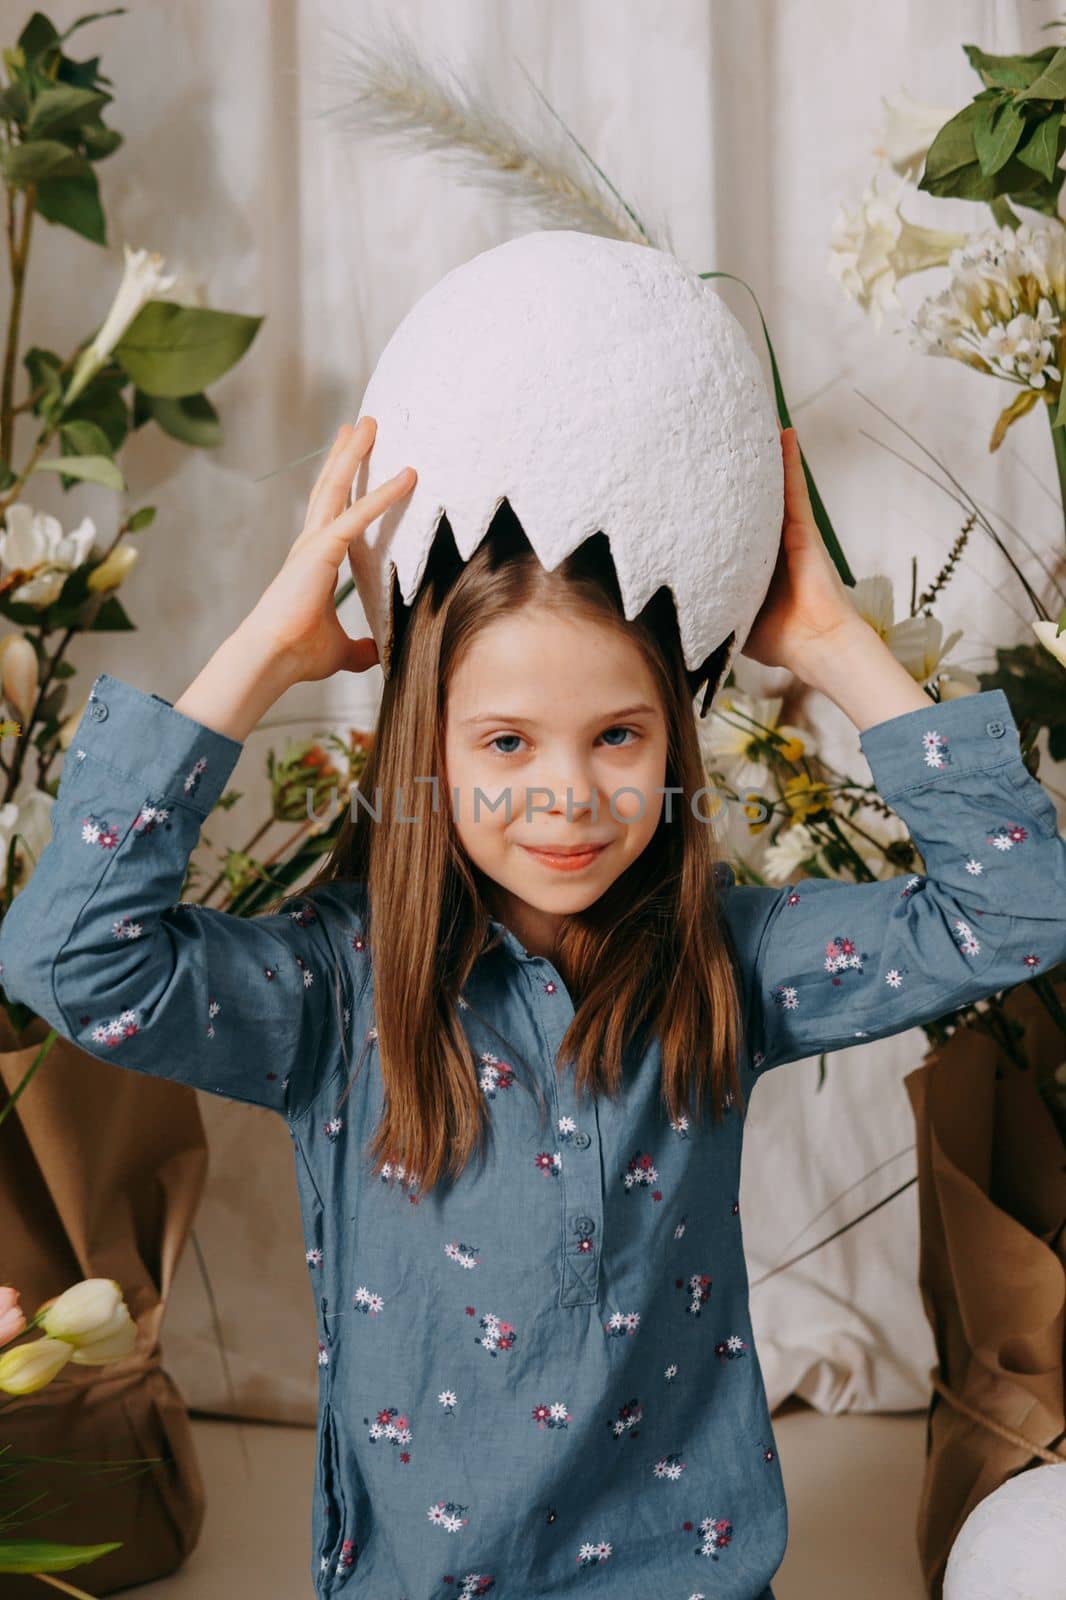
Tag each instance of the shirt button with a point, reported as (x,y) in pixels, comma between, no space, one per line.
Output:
(995,729)
(582,1140)
(97,710)
(584,1226)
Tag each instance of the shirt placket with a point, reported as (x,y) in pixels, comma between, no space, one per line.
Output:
(580,1155)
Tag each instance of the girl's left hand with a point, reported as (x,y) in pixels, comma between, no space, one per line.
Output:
(807,604)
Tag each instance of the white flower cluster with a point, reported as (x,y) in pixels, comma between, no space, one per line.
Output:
(1002,310)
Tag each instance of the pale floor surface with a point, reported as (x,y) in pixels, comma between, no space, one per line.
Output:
(852,1483)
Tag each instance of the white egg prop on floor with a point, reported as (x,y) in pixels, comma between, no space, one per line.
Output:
(1012,1546)
(598,385)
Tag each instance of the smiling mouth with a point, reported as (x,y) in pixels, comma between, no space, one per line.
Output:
(569,857)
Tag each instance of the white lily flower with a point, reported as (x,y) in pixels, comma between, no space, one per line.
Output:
(34,541)
(142,280)
(874,246)
(1045,632)
(793,846)
(907,132)
(916,642)
(736,722)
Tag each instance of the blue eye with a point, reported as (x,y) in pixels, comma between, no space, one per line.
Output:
(494,742)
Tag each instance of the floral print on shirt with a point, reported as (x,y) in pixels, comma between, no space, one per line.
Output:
(253,1007)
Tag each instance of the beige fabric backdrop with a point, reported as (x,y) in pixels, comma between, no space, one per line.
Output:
(744,126)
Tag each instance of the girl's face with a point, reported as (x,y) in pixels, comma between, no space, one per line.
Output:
(551,710)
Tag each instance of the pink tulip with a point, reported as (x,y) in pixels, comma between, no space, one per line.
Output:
(12,1317)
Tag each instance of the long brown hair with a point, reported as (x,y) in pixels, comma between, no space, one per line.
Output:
(653,953)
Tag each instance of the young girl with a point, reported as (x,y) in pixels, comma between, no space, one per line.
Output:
(513,1029)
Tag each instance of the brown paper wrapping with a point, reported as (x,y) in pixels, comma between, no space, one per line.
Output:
(101,1171)
(992,1270)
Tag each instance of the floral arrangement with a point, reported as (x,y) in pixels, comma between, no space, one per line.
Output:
(89,1324)
(1001,310)
(149,364)
(1001,313)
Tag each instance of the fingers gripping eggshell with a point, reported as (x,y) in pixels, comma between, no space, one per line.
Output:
(597,385)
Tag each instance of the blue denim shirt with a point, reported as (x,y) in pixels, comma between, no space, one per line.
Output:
(540,1379)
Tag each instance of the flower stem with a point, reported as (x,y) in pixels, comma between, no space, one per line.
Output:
(57,1583)
(28,1074)
(1058,440)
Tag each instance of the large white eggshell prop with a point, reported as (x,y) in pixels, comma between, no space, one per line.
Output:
(598,385)
(1012,1546)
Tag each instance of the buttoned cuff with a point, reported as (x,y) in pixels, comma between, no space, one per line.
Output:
(939,741)
(143,738)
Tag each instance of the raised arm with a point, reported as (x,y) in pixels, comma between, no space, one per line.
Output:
(830,963)
(99,944)
(834,963)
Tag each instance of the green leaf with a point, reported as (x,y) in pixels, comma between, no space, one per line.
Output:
(102,402)
(953,147)
(112,617)
(1008,72)
(821,515)
(64,107)
(1041,150)
(38,35)
(91,16)
(996,134)
(1060,625)
(14,103)
(100,141)
(43,158)
(141,519)
(33,1555)
(74,203)
(1051,84)
(93,469)
(171,350)
(42,367)
(191,418)
(970,183)
(83,438)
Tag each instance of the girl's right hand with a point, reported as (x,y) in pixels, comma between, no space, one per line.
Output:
(296,614)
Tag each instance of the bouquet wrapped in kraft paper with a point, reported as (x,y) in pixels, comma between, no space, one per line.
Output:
(101,1172)
(992,1206)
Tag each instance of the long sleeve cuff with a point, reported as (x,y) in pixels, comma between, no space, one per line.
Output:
(142,737)
(975,732)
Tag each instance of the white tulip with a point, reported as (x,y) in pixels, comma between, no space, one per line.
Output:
(114,1345)
(88,1310)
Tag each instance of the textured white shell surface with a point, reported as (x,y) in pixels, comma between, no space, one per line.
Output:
(1012,1545)
(598,385)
